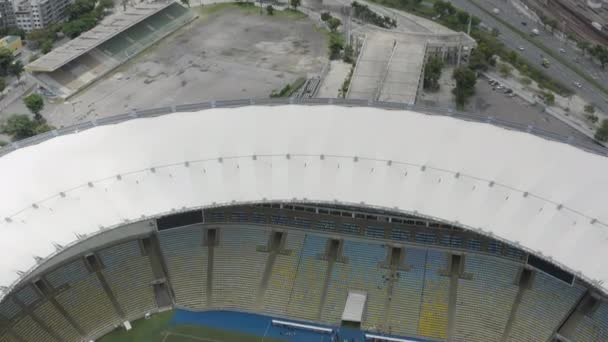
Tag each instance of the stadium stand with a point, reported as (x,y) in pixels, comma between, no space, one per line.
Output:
(186,260)
(83,295)
(117,39)
(492,290)
(543,308)
(360,271)
(70,273)
(29,330)
(8,308)
(283,275)
(238,267)
(434,309)
(307,290)
(56,321)
(593,327)
(27,295)
(129,275)
(305,272)
(406,298)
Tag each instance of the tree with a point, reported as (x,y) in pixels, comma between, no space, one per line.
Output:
(478,61)
(46,46)
(325,16)
(589,109)
(106,4)
(592,118)
(80,8)
(6,59)
(16,69)
(584,46)
(333,24)
(34,103)
(270,10)
(602,133)
(505,70)
(465,85)
(336,44)
(2,84)
(552,23)
(185,2)
(40,36)
(432,73)
(74,28)
(294,3)
(549,98)
(19,126)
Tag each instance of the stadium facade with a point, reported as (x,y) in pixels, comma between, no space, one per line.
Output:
(453,230)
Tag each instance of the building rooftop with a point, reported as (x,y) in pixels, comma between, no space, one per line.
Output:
(545,197)
(108,28)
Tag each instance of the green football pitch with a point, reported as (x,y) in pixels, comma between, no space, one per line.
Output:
(158,329)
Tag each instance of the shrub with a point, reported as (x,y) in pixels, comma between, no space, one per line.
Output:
(602,133)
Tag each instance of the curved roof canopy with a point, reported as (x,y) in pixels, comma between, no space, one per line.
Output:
(546,196)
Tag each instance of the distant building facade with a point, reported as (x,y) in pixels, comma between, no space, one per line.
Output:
(7,14)
(38,14)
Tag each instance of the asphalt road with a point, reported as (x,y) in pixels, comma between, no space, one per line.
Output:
(534,54)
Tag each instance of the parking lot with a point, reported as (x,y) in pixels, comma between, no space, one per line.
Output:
(233,53)
(497,103)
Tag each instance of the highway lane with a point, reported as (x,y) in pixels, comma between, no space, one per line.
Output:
(509,12)
(535,55)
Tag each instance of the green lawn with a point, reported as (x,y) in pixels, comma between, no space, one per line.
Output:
(157,329)
(143,329)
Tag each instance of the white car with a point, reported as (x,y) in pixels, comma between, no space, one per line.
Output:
(521,48)
(578,84)
(562,50)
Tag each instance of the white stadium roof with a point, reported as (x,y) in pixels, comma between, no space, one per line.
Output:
(548,197)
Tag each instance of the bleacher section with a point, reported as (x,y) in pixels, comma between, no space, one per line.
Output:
(28,329)
(593,327)
(404,311)
(8,308)
(7,338)
(97,62)
(69,273)
(186,260)
(56,322)
(306,295)
(238,267)
(492,290)
(543,308)
(79,300)
(129,276)
(434,309)
(27,295)
(283,275)
(411,290)
(361,272)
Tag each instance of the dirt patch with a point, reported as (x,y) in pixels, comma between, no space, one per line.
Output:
(231,54)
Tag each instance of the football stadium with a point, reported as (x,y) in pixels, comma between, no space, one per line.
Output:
(279,220)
